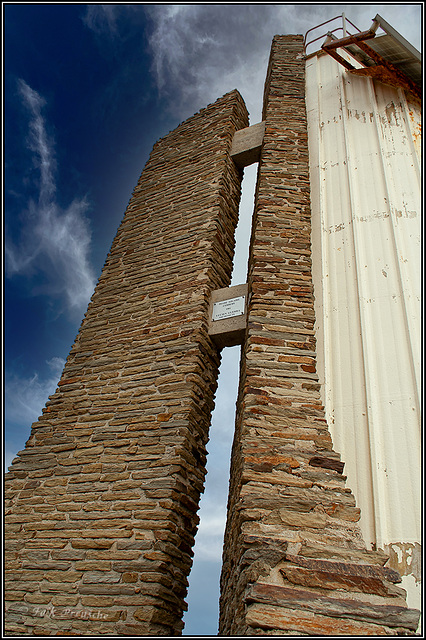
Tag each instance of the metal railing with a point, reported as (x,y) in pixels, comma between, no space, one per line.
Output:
(330,32)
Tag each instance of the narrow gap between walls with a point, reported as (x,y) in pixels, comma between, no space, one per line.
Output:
(202,617)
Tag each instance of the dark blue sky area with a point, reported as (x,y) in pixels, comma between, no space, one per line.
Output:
(100,117)
(99,98)
(82,112)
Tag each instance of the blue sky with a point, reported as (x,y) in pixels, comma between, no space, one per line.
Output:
(88,89)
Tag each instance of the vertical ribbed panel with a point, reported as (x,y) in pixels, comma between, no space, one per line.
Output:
(365,183)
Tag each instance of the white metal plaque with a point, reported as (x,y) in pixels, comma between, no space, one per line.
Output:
(228,308)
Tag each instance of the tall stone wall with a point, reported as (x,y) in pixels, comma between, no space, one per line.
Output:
(294,559)
(101,504)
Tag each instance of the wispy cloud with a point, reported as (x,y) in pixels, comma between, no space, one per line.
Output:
(54,245)
(25,397)
(209,539)
(38,141)
(101,18)
(201,51)
(194,55)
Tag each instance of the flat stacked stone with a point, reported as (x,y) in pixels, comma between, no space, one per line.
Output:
(101,504)
(294,559)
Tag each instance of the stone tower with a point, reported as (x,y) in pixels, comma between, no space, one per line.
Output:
(101,504)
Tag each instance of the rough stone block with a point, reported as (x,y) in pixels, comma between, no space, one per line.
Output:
(119,452)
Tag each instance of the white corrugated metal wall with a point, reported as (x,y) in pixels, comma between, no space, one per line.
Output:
(364,144)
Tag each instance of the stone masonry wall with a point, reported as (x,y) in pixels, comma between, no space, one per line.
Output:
(294,559)
(101,504)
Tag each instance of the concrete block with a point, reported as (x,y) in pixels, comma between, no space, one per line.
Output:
(247,144)
(228,315)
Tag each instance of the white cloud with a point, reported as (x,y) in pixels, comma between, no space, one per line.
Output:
(101,18)
(55,242)
(25,397)
(201,51)
(38,141)
(209,539)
